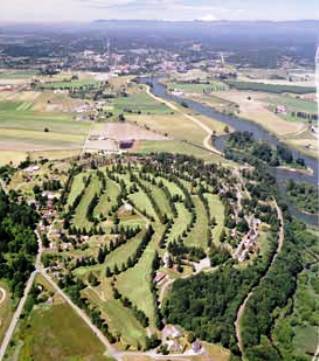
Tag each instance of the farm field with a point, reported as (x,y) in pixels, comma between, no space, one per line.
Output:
(272,88)
(23,129)
(197,87)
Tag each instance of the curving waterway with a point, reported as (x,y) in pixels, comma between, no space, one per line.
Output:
(259,133)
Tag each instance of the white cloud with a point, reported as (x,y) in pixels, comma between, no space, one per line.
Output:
(208,17)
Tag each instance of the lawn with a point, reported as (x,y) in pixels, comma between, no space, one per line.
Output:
(80,218)
(76,188)
(216,208)
(140,275)
(108,199)
(57,333)
(122,253)
(123,322)
(160,198)
(142,202)
(172,187)
(198,235)
(180,222)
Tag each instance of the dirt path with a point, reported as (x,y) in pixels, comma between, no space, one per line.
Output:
(3,295)
(241,310)
(207,140)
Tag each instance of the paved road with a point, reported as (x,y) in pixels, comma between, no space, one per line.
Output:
(241,310)
(16,316)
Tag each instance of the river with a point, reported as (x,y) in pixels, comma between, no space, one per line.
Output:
(259,133)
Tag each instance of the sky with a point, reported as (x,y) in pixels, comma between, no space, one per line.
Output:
(173,10)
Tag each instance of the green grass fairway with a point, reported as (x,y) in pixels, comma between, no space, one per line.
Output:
(140,275)
(108,199)
(80,219)
(121,254)
(57,333)
(122,320)
(172,187)
(198,235)
(160,198)
(76,188)
(142,202)
(180,223)
(216,208)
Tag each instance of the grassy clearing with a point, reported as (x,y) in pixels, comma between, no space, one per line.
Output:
(139,102)
(177,147)
(198,236)
(216,208)
(293,103)
(174,125)
(300,327)
(17,74)
(122,320)
(57,333)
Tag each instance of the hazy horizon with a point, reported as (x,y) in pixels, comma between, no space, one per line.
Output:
(56,11)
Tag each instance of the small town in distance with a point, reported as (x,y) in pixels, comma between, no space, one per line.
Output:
(159,181)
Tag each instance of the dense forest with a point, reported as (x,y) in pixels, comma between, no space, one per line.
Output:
(18,244)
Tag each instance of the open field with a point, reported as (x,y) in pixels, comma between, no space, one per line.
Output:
(6,308)
(197,87)
(56,333)
(269,87)
(27,130)
(177,147)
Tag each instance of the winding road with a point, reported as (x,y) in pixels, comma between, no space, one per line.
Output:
(207,140)
(241,310)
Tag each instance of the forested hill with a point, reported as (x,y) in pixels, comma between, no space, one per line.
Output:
(18,244)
